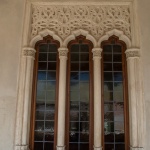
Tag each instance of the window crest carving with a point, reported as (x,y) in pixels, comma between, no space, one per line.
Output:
(96,19)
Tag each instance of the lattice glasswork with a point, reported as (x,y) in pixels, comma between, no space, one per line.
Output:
(79,97)
(113,85)
(45,97)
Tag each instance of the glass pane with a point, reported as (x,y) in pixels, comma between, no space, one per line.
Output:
(50,95)
(74,106)
(74,76)
(84,95)
(84,116)
(75,57)
(84,66)
(73,137)
(74,66)
(52,48)
(39,125)
(108,76)
(49,115)
(109,116)
(117,49)
(118,86)
(41,85)
(38,145)
(120,147)
(119,116)
(42,65)
(84,76)
(84,126)
(109,137)
(51,85)
(107,49)
(49,136)
(74,96)
(84,137)
(109,147)
(108,127)
(84,146)
(118,76)
(43,48)
(119,137)
(107,66)
(51,75)
(38,136)
(119,106)
(84,57)
(74,126)
(108,107)
(74,116)
(39,115)
(40,106)
(74,86)
(52,66)
(84,48)
(49,126)
(117,58)
(118,96)
(117,66)
(50,105)
(84,106)
(41,75)
(40,94)
(73,146)
(42,56)
(75,48)
(107,57)
(119,127)
(52,56)
(108,86)
(48,146)
(108,96)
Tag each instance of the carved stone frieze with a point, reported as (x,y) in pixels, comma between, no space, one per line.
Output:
(96,52)
(28,51)
(63,52)
(96,19)
(132,53)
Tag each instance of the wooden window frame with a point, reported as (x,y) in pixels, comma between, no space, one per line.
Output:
(125,89)
(91,102)
(45,40)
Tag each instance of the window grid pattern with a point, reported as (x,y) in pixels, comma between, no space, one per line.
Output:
(79,97)
(114,137)
(45,97)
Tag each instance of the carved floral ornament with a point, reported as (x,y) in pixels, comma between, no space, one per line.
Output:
(96,19)
(97,52)
(132,53)
(28,51)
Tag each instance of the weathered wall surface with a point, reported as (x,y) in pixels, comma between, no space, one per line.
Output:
(11,25)
(144,20)
(11,17)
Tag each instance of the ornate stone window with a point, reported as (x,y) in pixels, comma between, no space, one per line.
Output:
(96,21)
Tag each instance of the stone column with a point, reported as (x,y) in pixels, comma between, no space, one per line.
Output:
(136,110)
(62,99)
(97,99)
(24,99)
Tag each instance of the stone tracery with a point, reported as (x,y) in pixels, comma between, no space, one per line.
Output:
(97,19)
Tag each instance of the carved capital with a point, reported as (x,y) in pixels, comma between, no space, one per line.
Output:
(60,147)
(136,148)
(28,51)
(132,53)
(97,148)
(97,53)
(22,147)
(63,53)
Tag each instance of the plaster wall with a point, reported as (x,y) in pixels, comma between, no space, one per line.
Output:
(11,22)
(11,27)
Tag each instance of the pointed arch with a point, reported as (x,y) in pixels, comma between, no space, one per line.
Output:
(42,34)
(117,33)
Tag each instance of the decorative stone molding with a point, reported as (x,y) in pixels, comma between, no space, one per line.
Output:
(63,52)
(96,52)
(22,147)
(136,148)
(96,19)
(28,51)
(132,53)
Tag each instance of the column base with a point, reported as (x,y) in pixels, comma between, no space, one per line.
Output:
(60,147)
(22,147)
(97,148)
(136,148)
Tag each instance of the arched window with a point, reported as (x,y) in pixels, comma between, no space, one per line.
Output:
(44,97)
(79,123)
(114,95)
